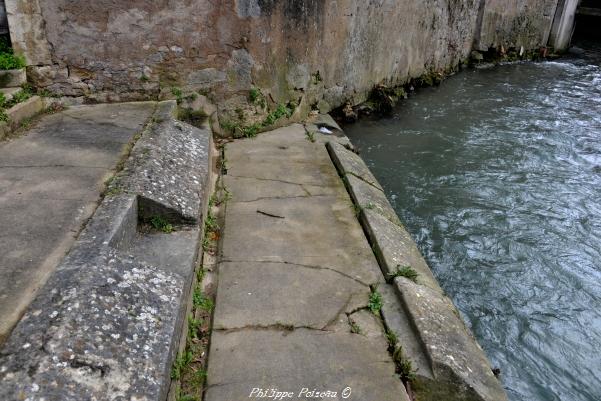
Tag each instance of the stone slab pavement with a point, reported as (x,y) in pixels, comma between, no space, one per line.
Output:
(51,180)
(294,281)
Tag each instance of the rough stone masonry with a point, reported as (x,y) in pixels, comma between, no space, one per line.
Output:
(316,53)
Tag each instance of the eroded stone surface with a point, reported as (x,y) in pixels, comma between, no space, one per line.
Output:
(350,163)
(297,296)
(395,248)
(293,360)
(322,52)
(169,166)
(65,347)
(456,359)
(366,196)
(50,182)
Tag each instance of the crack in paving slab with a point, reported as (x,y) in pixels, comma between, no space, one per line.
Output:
(278,180)
(282,197)
(316,267)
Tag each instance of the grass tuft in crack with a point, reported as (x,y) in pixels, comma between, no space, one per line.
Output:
(403,365)
(406,271)
(375,301)
(161,224)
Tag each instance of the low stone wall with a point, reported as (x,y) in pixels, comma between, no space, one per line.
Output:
(314,53)
(450,364)
(106,324)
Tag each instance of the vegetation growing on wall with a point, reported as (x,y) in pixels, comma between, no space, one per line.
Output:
(9,60)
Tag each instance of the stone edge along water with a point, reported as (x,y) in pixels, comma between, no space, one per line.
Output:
(451,364)
(106,325)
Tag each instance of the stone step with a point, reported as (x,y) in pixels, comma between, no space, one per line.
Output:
(9,92)
(12,78)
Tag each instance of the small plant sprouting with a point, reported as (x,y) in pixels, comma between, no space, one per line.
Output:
(181,362)
(256,97)
(179,95)
(200,301)
(193,325)
(311,136)
(316,78)
(161,224)
(369,206)
(354,327)
(406,271)
(375,301)
(392,340)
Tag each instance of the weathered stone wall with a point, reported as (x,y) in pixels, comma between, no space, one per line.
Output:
(318,52)
(515,24)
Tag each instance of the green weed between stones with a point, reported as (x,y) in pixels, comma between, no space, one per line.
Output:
(375,301)
(161,224)
(189,367)
(311,136)
(405,271)
(239,130)
(256,97)
(200,301)
(354,327)
(403,365)
(8,59)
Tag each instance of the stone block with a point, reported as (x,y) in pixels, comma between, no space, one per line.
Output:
(367,196)
(459,366)
(169,168)
(27,109)
(12,78)
(395,248)
(302,358)
(106,325)
(348,162)
(304,296)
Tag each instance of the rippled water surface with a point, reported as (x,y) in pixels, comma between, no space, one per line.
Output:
(497,175)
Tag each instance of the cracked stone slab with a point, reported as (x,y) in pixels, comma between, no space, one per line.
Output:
(293,360)
(285,155)
(317,231)
(366,196)
(248,189)
(395,248)
(369,325)
(305,296)
(169,166)
(350,163)
(457,361)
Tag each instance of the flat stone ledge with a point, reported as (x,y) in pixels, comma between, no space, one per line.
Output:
(394,248)
(13,78)
(461,370)
(22,111)
(451,365)
(106,324)
(349,162)
(169,167)
(312,359)
(366,196)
